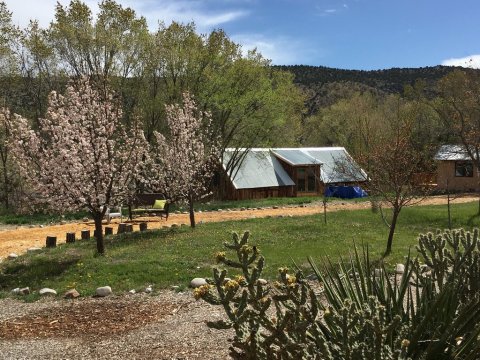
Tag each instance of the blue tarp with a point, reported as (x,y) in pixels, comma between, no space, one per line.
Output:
(345,192)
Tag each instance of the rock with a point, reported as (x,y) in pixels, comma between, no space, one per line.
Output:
(148,289)
(16,291)
(242,209)
(132,291)
(24,291)
(71,294)
(103,291)
(220,210)
(174,225)
(400,268)
(85,219)
(175,287)
(12,256)
(33,249)
(63,222)
(262,282)
(42,226)
(47,291)
(197,282)
(275,207)
(199,211)
(184,212)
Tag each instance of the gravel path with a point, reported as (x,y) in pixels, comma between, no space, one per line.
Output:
(18,240)
(179,332)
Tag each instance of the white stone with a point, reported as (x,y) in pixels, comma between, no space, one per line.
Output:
(262,282)
(400,268)
(12,256)
(24,291)
(47,291)
(148,289)
(33,249)
(132,291)
(197,282)
(103,291)
(16,291)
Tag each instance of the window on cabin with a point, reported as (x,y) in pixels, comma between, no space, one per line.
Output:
(306,179)
(463,169)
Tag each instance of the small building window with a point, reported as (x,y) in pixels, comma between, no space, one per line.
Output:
(463,169)
(306,181)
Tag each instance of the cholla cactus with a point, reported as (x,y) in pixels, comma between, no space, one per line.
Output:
(261,331)
(453,256)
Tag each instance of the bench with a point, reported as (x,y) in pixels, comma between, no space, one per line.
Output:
(149,205)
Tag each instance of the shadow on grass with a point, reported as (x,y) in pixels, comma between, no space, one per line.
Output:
(471,220)
(34,270)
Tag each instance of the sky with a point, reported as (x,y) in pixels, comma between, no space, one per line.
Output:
(346,34)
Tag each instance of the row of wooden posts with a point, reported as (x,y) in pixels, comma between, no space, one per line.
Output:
(85,234)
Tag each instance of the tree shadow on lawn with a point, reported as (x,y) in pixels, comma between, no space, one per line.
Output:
(31,271)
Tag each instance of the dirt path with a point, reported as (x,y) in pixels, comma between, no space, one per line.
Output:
(20,239)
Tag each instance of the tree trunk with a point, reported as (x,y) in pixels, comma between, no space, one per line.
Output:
(325,211)
(192,212)
(478,205)
(99,233)
(396,212)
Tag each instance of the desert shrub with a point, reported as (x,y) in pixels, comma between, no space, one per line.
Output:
(354,310)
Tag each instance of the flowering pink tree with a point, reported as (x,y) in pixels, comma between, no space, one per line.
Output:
(81,156)
(186,159)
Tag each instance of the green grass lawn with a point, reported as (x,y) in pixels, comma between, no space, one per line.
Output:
(174,257)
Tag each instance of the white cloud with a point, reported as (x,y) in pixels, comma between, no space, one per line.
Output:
(472,61)
(42,10)
(282,50)
(153,10)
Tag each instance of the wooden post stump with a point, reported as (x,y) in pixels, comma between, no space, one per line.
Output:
(143,226)
(85,234)
(70,238)
(121,228)
(108,230)
(129,228)
(51,241)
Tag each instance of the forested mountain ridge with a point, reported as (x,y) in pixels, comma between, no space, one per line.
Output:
(324,86)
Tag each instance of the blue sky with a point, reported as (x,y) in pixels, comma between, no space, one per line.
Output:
(348,34)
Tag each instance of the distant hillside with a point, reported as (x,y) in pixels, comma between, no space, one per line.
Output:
(324,86)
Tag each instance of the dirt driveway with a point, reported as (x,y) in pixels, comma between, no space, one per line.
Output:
(19,239)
